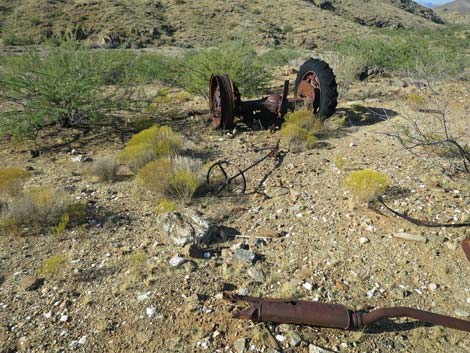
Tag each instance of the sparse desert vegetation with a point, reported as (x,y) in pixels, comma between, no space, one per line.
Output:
(110,240)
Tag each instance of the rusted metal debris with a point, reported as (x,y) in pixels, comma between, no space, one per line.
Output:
(317,314)
(466,248)
(226,176)
(226,104)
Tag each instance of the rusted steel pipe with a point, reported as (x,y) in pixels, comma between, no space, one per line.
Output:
(331,315)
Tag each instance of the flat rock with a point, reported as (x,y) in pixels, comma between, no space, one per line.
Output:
(30,283)
(186,227)
(240,345)
(315,349)
(244,255)
(410,237)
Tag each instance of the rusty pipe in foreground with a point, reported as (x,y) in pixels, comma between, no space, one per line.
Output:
(302,312)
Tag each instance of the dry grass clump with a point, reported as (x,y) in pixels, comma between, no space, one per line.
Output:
(54,265)
(298,139)
(416,101)
(304,119)
(366,184)
(164,206)
(149,145)
(38,207)
(176,178)
(105,169)
(12,180)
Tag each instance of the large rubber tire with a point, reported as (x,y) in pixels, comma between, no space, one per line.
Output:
(328,95)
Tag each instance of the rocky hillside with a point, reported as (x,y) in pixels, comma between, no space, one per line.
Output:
(459,6)
(144,23)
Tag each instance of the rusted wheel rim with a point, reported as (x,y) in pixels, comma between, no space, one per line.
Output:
(222,101)
(309,89)
(226,179)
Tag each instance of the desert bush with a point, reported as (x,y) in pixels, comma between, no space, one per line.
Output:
(171,178)
(105,168)
(54,266)
(138,263)
(165,205)
(304,119)
(236,58)
(38,207)
(150,144)
(298,139)
(366,184)
(63,87)
(408,52)
(12,180)
(59,229)
(278,56)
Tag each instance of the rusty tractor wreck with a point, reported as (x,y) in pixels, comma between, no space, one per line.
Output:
(315,87)
(285,311)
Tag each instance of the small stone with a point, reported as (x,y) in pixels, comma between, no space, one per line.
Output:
(142,297)
(363,240)
(462,313)
(308,286)
(30,283)
(192,250)
(280,338)
(82,340)
(48,315)
(432,287)
(151,312)
(256,274)
(240,345)
(244,255)
(64,318)
(315,349)
(295,339)
(177,261)
(410,237)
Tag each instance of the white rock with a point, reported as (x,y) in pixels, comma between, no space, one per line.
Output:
(315,349)
(308,286)
(48,315)
(151,312)
(64,318)
(280,338)
(177,261)
(82,340)
(142,297)
(432,286)
(410,237)
(363,240)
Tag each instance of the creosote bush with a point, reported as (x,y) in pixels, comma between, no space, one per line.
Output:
(366,184)
(54,266)
(176,178)
(105,169)
(12,180)
(149,145)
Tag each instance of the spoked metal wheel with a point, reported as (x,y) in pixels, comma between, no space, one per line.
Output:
(222,97)
(225,178)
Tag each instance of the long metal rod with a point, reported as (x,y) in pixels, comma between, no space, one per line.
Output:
(331,315)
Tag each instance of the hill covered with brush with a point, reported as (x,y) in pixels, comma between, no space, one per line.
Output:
(149,23)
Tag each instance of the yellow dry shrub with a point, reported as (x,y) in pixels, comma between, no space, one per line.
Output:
(182,96)
(416,101)
(298,139)
(164,206)
(304,119)
(366,184)
(169,179)
(150,144)
(12,180)
(54,266)
(38,207)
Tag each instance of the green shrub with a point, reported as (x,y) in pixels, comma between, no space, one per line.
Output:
(171,178)
(304,119)
(367,184)
(59,229)
(150,144)
(12,180)
(54,266)
(164,206)
(298,139)
(236,58)
(278,56)
(62,87)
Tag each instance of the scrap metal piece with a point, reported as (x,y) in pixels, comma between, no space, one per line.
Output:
(317,314)
(226,176)
(466,248)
